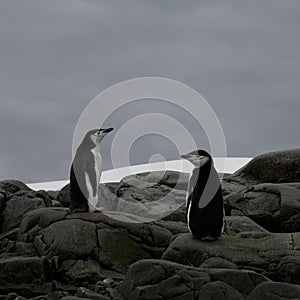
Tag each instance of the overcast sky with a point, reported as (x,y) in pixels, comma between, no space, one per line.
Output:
(57,55)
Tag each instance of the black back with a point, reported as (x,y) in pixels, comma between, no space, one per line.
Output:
(83,161)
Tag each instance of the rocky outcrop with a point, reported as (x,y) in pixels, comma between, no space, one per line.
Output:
(275,207)
(272,167)
(276,256)
(134,251)
(160,279)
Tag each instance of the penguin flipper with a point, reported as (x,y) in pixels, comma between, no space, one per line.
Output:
(91,166)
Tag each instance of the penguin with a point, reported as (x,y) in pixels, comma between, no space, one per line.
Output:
(85,172)
(204,200)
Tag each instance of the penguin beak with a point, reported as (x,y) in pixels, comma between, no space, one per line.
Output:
(184,156)
(107,130)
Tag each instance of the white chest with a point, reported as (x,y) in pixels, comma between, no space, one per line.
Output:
(98,163)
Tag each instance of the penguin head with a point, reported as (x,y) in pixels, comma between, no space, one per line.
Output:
(97,135)
(198,158)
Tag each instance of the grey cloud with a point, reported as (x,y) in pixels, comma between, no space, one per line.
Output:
(56,56)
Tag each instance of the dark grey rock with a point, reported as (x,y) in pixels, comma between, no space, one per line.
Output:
(273,167)
(171,179)
(11,234)
(3,197)
(289,268)
(16,208)
(117,250)
(150,234)
(157,279)
(70,239)
(219,290)
(45,196)
(219,263)
(88,294)
(275,291)
(42,218)
(243,281)
(24,275)
(273,206)
(63,196)
(79,271)
(153,195)
(72,298)
(12,186)
(261,253)
(239,224)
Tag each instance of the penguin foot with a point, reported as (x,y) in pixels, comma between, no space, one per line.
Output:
(98,209)
(207,238)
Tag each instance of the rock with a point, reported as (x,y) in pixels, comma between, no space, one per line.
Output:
(63,196)
(45,196)
(171,179)
(11,234)
(219,290)
(273,206)
(12,186)
(155,279)
(219,263)
(69,239)
(273,167)
(24,275)
(241,224)
(289,268)
(117,250)
(79,271)
(152,195)
(72,298)
(16,208)
(3,198)
(292,224)
(88,294)
(275,290)
(261,253)
(160,279)
(148,234)
(42,218)
(243,281)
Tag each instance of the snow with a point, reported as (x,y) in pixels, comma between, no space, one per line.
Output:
(222,165)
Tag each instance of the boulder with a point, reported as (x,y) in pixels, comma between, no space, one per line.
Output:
(262,252)
(218,263)
(171,179)
(289,268)
(69,239)
(16,208)
(80,271)
(275,290)
(117,250)
(160,279)
(219,290)
(273,206)
(239,224)
(88,294)
(155,279)
(12,186)
(24,275)
(272,167)
(63,196)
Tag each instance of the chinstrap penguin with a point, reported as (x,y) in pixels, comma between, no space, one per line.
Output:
(204,200)
(85,172)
